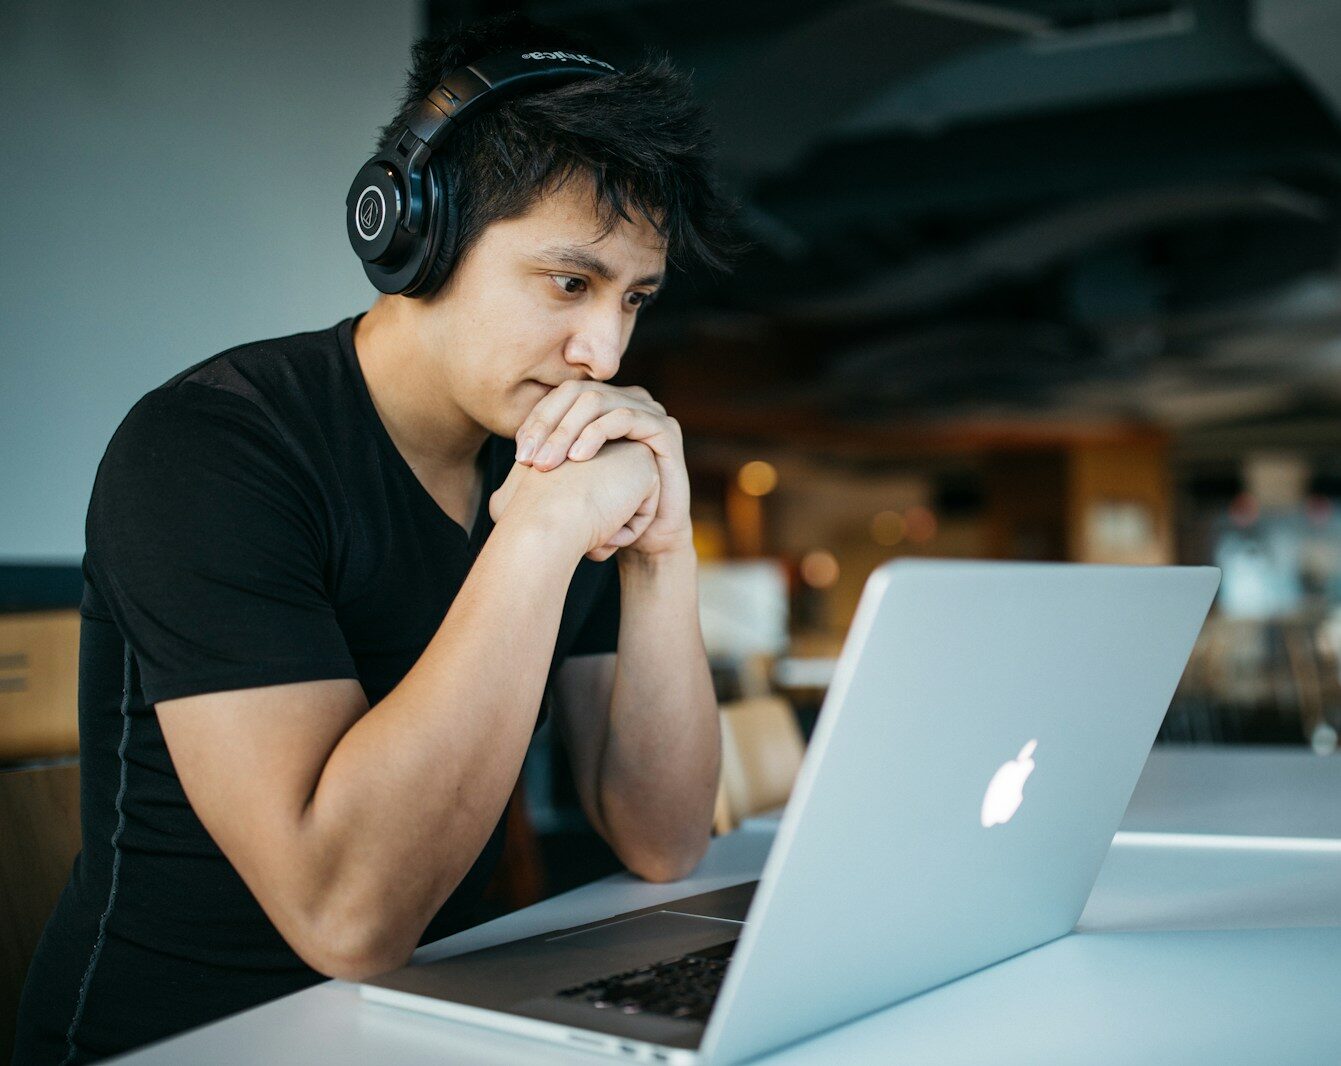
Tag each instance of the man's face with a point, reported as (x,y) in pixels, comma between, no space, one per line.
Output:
(539,300)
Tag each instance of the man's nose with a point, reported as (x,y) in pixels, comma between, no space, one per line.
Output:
(598,344)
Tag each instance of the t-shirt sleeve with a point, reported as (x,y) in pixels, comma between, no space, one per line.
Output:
(599,632)
(205,537)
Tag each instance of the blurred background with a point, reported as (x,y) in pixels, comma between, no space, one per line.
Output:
(1030,279)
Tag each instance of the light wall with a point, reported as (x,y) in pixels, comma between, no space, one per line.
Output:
(173,179)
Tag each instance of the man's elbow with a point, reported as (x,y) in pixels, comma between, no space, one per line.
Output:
(355,966)
(664,864)
(352,951)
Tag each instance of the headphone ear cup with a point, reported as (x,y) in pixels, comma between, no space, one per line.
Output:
(445,229)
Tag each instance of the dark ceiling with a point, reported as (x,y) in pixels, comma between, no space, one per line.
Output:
(1114,209)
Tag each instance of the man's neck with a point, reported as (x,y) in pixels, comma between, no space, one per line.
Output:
(438,440)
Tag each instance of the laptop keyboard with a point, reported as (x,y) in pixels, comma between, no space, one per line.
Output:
(682,987)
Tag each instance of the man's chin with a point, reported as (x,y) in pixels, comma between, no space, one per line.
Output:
(495,425)
(508,424)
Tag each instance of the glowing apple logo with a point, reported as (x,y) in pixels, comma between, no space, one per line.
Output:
(1005,792)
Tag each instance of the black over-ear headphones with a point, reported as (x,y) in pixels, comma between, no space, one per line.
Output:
(399,220)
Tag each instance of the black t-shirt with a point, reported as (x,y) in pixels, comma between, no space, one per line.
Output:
(251,523)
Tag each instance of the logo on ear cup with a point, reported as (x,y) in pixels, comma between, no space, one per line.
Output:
(371,212)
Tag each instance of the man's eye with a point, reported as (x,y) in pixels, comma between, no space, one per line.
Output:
(564,279)
(645,299)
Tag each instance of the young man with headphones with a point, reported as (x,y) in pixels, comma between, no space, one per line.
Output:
(332,578)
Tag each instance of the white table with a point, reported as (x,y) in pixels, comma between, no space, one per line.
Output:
(1245,791)
(1184,954)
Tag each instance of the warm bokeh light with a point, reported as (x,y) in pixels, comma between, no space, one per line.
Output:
(819,569)
(888,528)
(709,540)
(921,524)
(757,478)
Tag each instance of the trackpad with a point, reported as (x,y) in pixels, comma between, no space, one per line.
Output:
(661,931)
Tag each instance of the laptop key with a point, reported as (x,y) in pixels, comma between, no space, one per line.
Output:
(681,987)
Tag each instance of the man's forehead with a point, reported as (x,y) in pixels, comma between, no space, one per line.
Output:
(566,224)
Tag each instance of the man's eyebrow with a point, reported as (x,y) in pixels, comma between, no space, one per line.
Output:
(567,255)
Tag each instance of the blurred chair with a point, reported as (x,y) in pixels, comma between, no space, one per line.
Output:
(762,748)
(39,682)
(39,837)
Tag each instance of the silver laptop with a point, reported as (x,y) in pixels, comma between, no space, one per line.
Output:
(986,725)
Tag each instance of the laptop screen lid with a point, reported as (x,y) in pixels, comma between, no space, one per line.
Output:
(895,867)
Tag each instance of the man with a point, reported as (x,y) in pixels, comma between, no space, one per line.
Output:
(330,577)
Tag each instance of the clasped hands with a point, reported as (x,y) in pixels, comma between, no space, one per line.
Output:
(574,422)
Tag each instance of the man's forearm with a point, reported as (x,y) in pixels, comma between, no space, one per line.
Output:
(658,774)
(409,795)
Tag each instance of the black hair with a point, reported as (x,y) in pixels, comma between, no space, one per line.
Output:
(638,135)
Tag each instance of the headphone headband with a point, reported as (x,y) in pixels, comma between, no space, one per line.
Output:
(396,217)
(490,80)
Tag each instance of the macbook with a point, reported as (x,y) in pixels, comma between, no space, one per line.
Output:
(986,725)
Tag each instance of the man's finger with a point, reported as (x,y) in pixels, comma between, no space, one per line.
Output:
(553,450)
(547,414)
(551,416)
(625,423)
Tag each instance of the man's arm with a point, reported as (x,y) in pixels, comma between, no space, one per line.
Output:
(352,826)
(649,781)
(641,728)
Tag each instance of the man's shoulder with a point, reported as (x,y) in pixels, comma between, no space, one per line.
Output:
(262,369)
(182,416)
(252,387)
(185,443)
(192,457)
